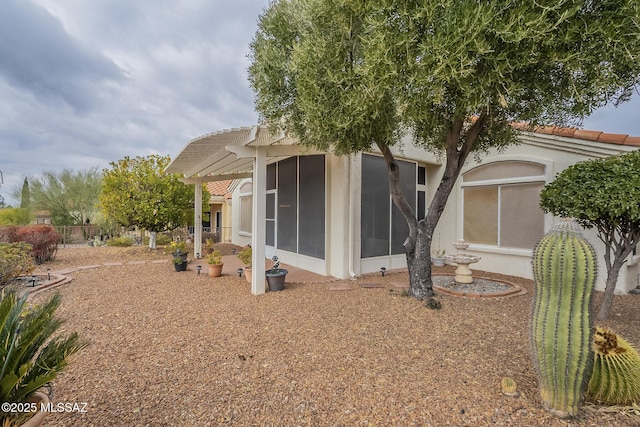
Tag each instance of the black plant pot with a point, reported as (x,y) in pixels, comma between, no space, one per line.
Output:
(182,266)
(181,255)
(275,279)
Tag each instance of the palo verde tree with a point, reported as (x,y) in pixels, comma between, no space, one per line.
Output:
(351,75)
(601,194)
(71,197)
(137,192)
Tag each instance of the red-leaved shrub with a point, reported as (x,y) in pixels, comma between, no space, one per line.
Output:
(9,233)
(43,240)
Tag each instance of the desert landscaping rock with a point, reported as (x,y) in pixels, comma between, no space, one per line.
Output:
(181,349)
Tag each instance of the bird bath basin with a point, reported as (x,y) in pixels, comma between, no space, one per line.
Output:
(463,272)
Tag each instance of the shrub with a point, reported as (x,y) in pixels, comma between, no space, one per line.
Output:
(120,241)
(43,240)
(33,351)
(161,239)
(15,260)
(9,234)
(15,216)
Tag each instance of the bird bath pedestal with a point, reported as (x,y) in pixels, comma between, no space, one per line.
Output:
(463,272)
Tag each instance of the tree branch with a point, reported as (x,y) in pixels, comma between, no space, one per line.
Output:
(396,192)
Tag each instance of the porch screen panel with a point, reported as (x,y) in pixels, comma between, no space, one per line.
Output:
(480,213)
(271,176)
(311,206)
(399,227)
(521,219)
(270,221)
(374,217)
(287,204)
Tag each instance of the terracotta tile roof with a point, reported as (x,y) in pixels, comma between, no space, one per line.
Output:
(219,188)
(590,135)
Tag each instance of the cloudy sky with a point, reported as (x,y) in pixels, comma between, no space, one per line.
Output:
(84,83)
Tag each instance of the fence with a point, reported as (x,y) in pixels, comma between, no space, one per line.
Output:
(218,234)
(82,234)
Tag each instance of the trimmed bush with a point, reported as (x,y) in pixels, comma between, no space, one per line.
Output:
(15,260)
(43,240)
(9,234)
(120,241)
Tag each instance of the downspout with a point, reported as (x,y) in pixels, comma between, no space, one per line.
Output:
(352,215)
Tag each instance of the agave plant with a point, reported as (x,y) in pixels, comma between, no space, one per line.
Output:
(31,353)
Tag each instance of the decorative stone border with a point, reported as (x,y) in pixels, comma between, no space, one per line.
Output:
(515,290)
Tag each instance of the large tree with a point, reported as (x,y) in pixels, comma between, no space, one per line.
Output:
(137,192)
(350,75)
(70,196)
(603,194)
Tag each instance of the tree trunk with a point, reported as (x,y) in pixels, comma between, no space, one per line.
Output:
(418,243)
(152,239)
(419,264)
(613,271)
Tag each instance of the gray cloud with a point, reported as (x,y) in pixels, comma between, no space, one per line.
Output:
(38,55)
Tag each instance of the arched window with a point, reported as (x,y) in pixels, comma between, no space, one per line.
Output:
(501,204)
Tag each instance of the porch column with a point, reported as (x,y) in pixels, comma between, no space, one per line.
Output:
(258,234)
(197,219)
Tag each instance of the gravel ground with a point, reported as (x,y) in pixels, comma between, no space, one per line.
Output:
(178,349)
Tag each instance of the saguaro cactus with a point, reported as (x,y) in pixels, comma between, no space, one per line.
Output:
(564,269)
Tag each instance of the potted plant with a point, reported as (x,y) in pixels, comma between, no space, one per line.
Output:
(33,353)
(180,263)
(208,246)
(438,257)
(245,258)
(179,249)
(214,259)
(276,276)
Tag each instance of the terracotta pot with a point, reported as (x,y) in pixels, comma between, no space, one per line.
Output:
(38,418)
(215,270)
(247,274)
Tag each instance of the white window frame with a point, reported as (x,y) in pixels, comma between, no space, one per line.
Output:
(244,195)
(532,179)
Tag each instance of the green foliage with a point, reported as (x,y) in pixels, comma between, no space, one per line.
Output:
(178,247)
(71,197)
(215,257)
(597,192)
(120,241)
(137,192)
(615,379)
(32,353)
(15,260)
(245,256)
(564,270)
(601,193)
(15,216)
(161,240)
(351,72)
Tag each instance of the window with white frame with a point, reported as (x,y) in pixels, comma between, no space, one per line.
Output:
(246,207)
(501,204)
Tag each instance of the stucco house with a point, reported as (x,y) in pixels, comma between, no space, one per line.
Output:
(333,215)
(219,219)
